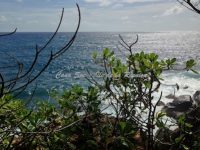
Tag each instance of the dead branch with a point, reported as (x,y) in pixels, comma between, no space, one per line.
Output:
(23,78)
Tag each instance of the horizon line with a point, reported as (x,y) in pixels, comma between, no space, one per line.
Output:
(106,31)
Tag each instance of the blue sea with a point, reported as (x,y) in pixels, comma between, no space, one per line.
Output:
(68,69)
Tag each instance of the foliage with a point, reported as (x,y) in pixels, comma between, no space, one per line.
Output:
(130,86)
(50,127)
(79,121)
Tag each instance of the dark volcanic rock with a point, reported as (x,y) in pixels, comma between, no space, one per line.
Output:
(179,106)
(193,117)
(186,87)
(161,103)
(165,135)
(182,103)
(170,96)
(196,97)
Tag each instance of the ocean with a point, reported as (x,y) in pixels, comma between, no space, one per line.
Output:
(68,69)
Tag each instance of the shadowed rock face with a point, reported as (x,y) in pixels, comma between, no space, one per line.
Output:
(167,135)
(170,96)
(161,103)
(181,103)
(179,106)
(196,98)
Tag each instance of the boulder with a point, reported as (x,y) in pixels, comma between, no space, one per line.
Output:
(161,103)
(193,117)
(186,87)
(182,103)
(170,96)
(196,98)
(178,106)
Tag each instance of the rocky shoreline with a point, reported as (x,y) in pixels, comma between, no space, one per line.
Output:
(181,104)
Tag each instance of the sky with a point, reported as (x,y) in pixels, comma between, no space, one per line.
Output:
(97,16)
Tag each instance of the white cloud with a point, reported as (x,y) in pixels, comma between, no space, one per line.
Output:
(173,10)
(141,1)
(117,2)
(3,19)
(115,6)
(121,15)
(101,2)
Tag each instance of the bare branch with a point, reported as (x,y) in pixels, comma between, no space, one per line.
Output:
(189,5)
(6,34)
(23,78)
(127,46)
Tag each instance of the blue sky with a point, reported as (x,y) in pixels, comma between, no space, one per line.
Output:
(97,15)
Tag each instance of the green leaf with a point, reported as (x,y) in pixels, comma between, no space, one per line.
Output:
(94,55)
(122,126)
(179,139)
(173,60)
(161,114)
(167,61)
(106,53)
(185,147)
(194,71)
(146,63)
(181,119)
(188,125)
(111,54)
(147,84)
(6,142)
(56,138)
(92,144)
(190,63)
